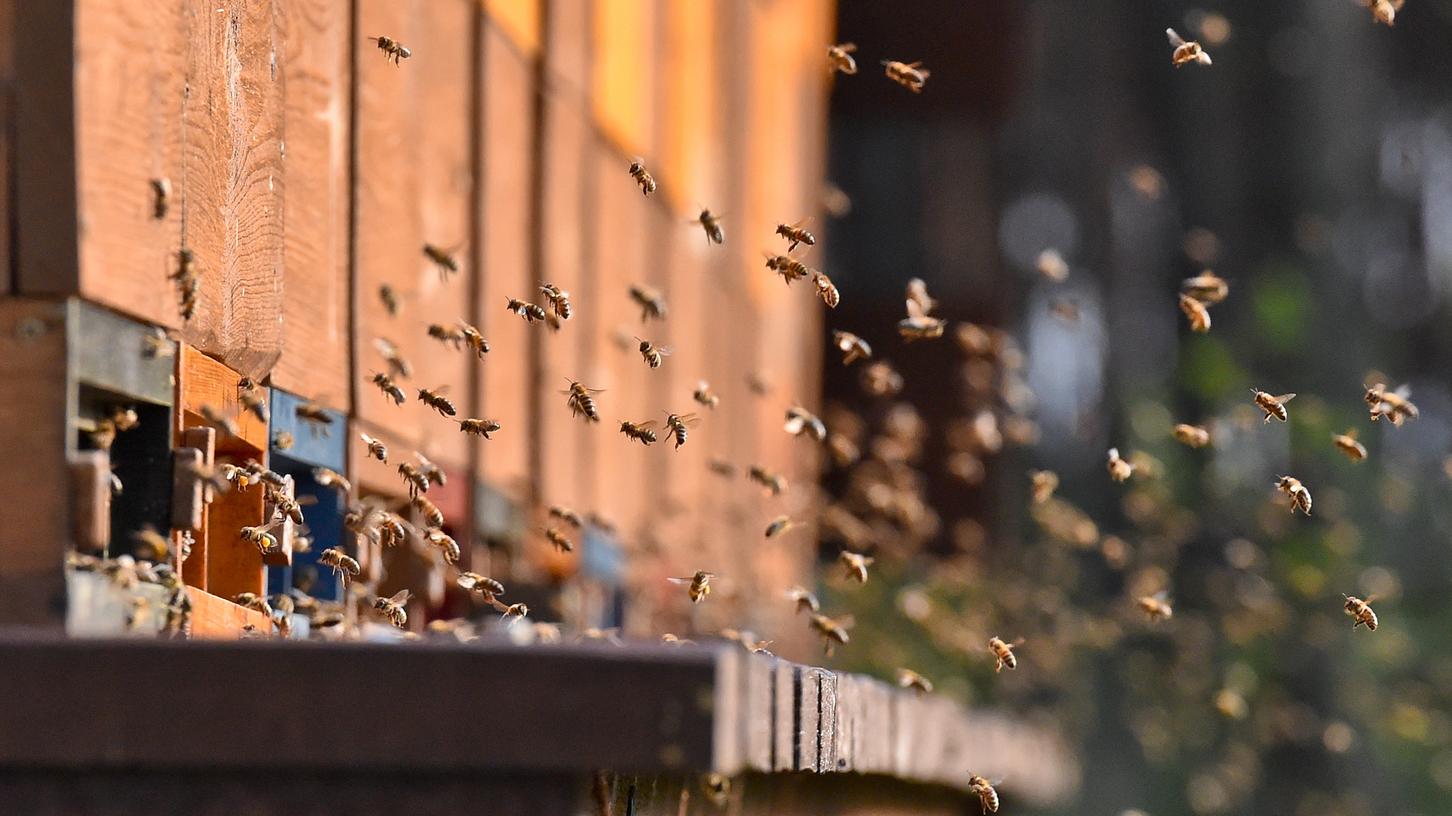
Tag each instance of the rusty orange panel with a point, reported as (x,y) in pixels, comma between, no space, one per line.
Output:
(690,154)
(622,76)
(215,618)
(519,20)
(203,381)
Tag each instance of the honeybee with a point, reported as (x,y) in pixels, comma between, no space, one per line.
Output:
(376,448)
(1206,287)
(652,304)
(1003,653)
(416,481)
(1196,313)
(316,416)
(566,515)
(699,585)
(705,396)
(642,432)
(445,542)
(779,525)
(1185,52)
(187,279)
(558,299)
(390,299)
(747,640)
(1384,11)
(260,535)
(804,599)
(1361,612)
(910,75)
(156,343)
(801,422)
(437,401)
(839,57)
(391,529)
(283,440)
(392,49)
(880,379)
(654,355)
(909,679)
(725,469)
(559,539)
(433,472)
(676,425)
(218,420)
(1043,484)
(983,789)
(150,545)
(160,197)
(289,507)
(1347,444)
(1192,435)
(853,348)
(1156,607)
(582,401)
(827,290)
(918,325)
(446,334)
(788,267)
(398,366)
(833,631)
(529,311)
(855,565)
(433,516)
(479,427)
(1394,405)
(1272,406)
(775,483)
(514,612)
(796,235)
(482,584)
(1300,496)
(253,601)
(393,608)
(717,787)
(712,225)
(1119,469)
(1052,265)
(642,177)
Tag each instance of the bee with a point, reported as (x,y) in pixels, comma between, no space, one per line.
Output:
(983,789)
(855,565)
(839,57)
(652,304)
(774,482)
(482,584)
(1052,265)
(788,267)
(676,425)
(433,472)
(376,448)
(642,432)
(559,539)
(1119,469)
(1185,52)
(445,543)
(918,325)
(389,299)
(341,563)
(910,75)
(642,176)
(1156,607)
(698,585)
(392,49)
(398,366)
(156,344)
(389,388)
(1347,444)
(260,535)
(827,290)
(804,600)
(1206,287)
(779,525)
(160,197)
(721,467)
(712,225)
(391,530)
(443,259)
(558,299)
(1003,653)
(514,612)
(437,401)
(654,355)
(288,507)
(1274,407)
(1196,313)
(582,401)
(529,311)
(853,348)
(150,545)
(801,422)
(215,418)
(474,339)
(187,278)
(880,379)
(1393,405)
(717,787)
(446,334)
(433,516)
(1043,484)
(479,427)
(317,418)
(1360,611)
(705,396)
(416,481)
(393,608)
(1384,12)
(1192,435)
(1300,496)
(283,440)
(253,601)
(747,640)
(252,401)
(796,235)
(909,679)
(833,631)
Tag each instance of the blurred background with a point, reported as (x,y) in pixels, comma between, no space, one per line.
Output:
(1311,167)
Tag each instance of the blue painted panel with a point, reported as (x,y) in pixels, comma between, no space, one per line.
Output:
(325,522)
(311,445)
(601,557)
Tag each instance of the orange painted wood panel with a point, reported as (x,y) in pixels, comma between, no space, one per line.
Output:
(232,180)
(234,566)
(316,73)
(203,381)
(519,20)
(623,81)
(415,186)
(215,618)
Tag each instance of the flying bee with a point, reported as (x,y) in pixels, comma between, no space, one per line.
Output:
(918,325)
(283,440)
(327,477)
(853,348)
(1274,407)
(1300,496)
(1119,468)
(437,401)
(1384,11)
(1394,405)
(1052,265)
(1206,287)
(1360,611)
(827,290)
(290,507)
(479,427)
(260,535)
(796,235)
(775,483)
(432,515)
(833,631)
(788,267)
(705,396)
(255,402)
(514,612)
(839,57)
(1043,484)
(150,545)
(156,344)
(392,49)
(779,525)
(1185,52)
(642,432)
(855,565)
(560,541)
(558,299)
(1003,653)
(529,311)
(717,787)
(474,339)
(315,416)
(676,425)
(1347,444)
(698,585)
(447,334)
(482,584)
(253,601)
(1156,607)
(910,75)
(909,679)
(1196,313)
(725,469)
(376,448)
(446,544)
(582,401)
(983,789)
(880,379)
(443,259)
(642,176)
(566,515)
(160,197)
(801,422)
(391,530)
(398,366)
(416,481)
(389,388)
(652,304)
(431,471)
(390,299)
(712,225)
(341,563)
(1192,435)
(393,608)
(218,420)
(804,599)
(654,355)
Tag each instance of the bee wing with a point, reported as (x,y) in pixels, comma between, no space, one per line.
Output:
(306,501)
(689,420)
(1017,643)
(1175,39)
(846,621)
(401,597)
(1162,595)
(848,48)
(1369,599)
(664,351)
(915,310)
(648,426)
(681,580)
(1284,398)
(1403,391)
(1350,434)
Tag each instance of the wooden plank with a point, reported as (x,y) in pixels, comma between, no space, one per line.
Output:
(215,618)
(187,497)
(759,673)
(46,260)
(317,73)
(7,136)
(91,486)
(234,566)
(415,146)
(829,745)
(203,381)
(121,355)
(785,716)
(232,193)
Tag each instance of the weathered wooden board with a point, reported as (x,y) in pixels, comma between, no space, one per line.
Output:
(316,66)
(215,618)
(7,134)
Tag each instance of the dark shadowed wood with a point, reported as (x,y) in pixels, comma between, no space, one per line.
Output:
(91,481)
(7,135)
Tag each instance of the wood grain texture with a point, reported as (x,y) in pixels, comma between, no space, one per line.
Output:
(316,73)
(233,565)
(232,179)
(414,187)
(215,618)
(203,381)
